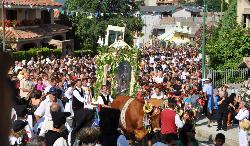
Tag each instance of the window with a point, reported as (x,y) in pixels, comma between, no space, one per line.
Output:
(46,17)
(26,15)
(11,15)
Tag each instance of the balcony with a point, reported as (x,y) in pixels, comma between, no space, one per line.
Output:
(23,23)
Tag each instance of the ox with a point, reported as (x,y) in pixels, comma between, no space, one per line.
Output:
(133,122)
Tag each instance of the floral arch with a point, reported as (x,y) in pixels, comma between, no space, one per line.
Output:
(107,62)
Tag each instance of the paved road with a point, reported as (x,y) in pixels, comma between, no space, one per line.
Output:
(206,135)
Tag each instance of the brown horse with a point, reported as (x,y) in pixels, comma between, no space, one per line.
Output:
(134,117)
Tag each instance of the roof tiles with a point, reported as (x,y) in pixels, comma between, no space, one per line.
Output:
(29,33)
(32,2)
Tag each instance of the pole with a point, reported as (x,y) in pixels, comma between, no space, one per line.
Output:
(3,25)
(204,38)
(221,7)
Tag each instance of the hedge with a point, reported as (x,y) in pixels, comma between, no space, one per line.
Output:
(34,52)
(83,52)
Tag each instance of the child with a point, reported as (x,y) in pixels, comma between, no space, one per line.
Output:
(219,139)
(39,85)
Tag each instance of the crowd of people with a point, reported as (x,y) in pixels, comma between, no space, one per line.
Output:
(54,103)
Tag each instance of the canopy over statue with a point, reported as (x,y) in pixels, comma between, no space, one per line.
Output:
(117,64)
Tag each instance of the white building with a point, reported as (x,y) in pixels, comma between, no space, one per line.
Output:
(243,12)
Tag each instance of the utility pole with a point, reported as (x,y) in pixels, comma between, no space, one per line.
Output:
(221,7)
(3,25)
(204,38)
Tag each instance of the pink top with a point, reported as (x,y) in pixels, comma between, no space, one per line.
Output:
(40,87)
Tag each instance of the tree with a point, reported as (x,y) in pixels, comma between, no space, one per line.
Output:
(229,43)
(213,5)
(104,13)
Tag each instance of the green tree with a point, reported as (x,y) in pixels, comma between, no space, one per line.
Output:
(229,42)
(104,13)
(213,5)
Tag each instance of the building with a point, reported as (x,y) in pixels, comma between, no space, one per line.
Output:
(152,15)
(186,12)
(167,2)
(180,32)
(160,2)
(164,2)
(243,12)
(30,24)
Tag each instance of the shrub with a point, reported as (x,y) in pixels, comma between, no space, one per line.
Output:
(57,52)
(83,52)
(34,52)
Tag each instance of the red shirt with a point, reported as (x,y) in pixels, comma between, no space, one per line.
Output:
(168,122)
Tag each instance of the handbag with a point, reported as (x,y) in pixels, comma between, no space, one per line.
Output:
(245,125)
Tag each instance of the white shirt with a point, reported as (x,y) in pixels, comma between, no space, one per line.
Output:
(46,90)
(44,108)
(78,96)
(243,114)
(122,141)
(151,59)
(160,96)
(184,75)
(48,125)
(159,144)
(159,79)
(100,101)
(60,142)
(69,93)
(178,121)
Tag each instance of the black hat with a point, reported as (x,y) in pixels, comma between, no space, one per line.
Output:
(21,110)
(18,125)
(109,119)
(59,118)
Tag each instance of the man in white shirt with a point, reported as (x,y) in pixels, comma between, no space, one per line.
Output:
(79,100)
(26,86)
(170,120)
(48,125)
(104,99)
(159,79)
(42,113)
(241,116)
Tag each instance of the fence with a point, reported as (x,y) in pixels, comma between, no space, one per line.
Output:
(228,76)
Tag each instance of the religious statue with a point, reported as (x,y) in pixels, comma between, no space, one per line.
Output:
(123,77)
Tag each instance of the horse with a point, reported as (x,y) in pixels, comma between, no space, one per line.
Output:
(132,121)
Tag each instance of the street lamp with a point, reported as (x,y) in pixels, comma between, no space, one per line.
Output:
(204,37)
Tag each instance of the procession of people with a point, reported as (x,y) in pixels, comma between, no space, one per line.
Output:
(55,103)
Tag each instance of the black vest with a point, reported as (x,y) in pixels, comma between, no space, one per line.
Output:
(76,104)
(106,102)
